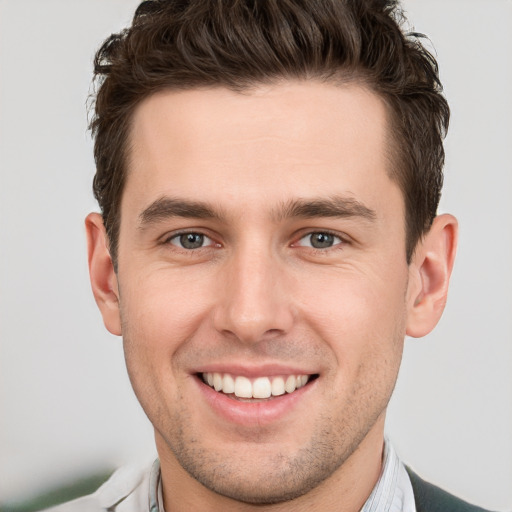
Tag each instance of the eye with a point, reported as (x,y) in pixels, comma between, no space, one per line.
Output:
(320,240)
(190,241)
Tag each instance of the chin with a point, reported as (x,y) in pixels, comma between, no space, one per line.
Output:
(263,486)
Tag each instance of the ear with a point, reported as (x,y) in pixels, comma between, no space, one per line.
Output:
(102,274)
(429,276)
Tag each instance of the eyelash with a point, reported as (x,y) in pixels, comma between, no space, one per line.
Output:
(342,241)
(336,245)
(176,236)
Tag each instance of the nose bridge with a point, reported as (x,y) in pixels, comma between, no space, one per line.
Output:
(254,304)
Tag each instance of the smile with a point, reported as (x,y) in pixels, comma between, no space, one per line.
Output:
(260,387)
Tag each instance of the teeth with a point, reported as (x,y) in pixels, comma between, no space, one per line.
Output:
(261,387)
(278,387)
(290,384)
(217,381)
(243,387)
(228,384)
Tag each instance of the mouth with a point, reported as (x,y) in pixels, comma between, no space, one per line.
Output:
(241,388)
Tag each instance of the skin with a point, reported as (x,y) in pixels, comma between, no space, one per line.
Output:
(256,295)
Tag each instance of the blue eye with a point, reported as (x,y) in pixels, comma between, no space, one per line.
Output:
(190,241)
(319,240)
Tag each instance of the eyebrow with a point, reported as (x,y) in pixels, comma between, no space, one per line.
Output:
(334,206)
(168,207)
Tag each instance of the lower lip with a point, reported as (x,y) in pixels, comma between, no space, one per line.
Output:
(253,413)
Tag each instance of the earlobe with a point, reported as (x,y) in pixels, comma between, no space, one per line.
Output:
(430,273)
(101,272)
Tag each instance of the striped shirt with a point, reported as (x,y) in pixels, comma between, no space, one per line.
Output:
(393,491)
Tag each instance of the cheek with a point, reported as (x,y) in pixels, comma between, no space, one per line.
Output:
(365,330)
(162,309)
(158,320)
(360,315)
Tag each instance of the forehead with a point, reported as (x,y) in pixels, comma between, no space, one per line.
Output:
(271,143)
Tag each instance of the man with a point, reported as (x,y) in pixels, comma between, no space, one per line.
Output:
(268,175)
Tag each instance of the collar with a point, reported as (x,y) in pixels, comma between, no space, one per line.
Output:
(393,491)
(156,502)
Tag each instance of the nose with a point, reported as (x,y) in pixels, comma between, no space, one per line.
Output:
(254,302)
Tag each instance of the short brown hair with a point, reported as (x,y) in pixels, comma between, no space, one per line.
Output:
(185,44)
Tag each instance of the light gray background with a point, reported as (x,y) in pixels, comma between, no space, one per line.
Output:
(66,403)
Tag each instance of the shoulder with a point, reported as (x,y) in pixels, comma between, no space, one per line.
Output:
(126,490)
(430,498)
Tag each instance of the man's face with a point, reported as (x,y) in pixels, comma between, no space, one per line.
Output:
(262,240)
